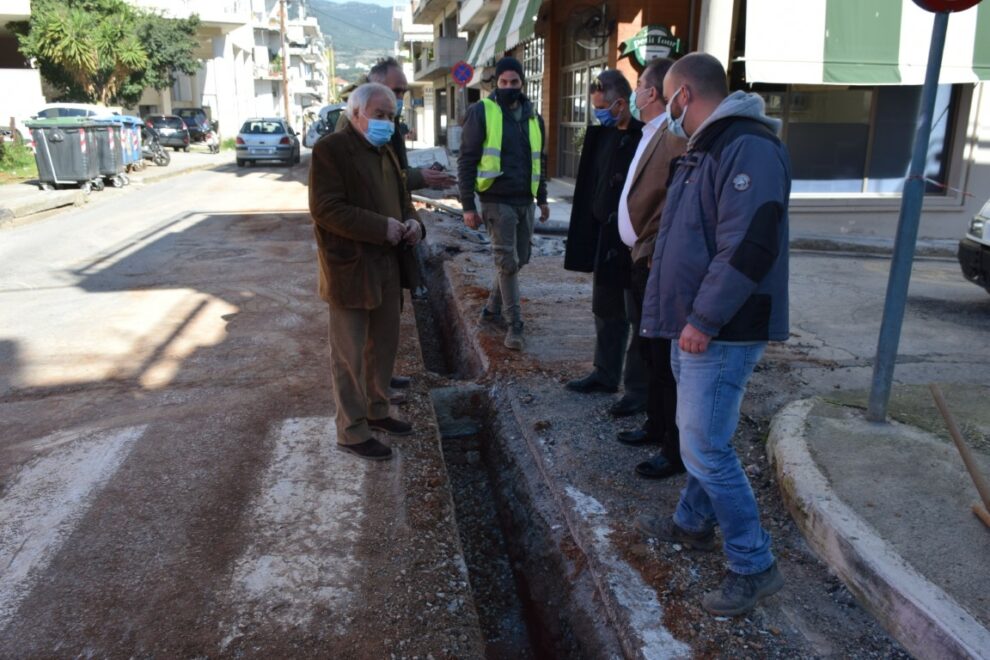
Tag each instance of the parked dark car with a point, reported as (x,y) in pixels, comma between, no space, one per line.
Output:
(172,130)
(267,138)
(197,121)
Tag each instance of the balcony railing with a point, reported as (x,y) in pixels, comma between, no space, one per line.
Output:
(474,14)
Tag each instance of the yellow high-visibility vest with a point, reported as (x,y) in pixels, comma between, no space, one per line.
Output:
(490,167)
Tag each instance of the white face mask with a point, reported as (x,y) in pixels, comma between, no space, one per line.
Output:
(676,126)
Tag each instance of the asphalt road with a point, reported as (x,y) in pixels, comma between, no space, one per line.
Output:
(164,415)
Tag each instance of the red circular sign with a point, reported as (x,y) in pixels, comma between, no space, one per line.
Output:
(946,5)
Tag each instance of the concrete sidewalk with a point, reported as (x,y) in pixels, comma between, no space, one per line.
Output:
(887,507)
(21,200)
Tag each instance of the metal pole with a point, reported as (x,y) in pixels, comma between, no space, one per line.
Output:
(285,64)
(907,234)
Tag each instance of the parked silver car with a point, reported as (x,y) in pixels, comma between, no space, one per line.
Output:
(267,138)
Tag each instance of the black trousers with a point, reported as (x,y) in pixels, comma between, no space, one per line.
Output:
(661,399)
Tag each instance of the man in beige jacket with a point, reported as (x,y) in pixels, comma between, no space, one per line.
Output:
(640,208)
(365,224)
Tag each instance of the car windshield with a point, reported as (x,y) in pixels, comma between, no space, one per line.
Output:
(167,122)
(263,128)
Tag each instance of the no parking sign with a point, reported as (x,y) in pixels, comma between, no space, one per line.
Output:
(462,73)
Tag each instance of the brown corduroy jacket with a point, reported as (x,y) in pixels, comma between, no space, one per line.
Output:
(648,190)
(350,202)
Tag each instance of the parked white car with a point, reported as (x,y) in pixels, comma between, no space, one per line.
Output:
(974,249)
(53,110)
(324,124)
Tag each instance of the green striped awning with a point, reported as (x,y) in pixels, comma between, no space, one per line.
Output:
(860,42)
(514,23)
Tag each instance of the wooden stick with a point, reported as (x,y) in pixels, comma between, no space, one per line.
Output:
(967,456)
(982,513)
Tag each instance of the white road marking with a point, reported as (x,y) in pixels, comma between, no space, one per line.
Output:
(639,599)
(304,525)
(46,500)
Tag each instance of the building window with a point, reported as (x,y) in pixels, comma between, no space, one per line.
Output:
(533,70)
(858,139)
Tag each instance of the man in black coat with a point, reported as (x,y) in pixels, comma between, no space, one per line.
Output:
(594,245)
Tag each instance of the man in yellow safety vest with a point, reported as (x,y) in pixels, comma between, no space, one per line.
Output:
(503,159)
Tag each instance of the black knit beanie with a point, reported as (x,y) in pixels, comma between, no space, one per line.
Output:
(509,64)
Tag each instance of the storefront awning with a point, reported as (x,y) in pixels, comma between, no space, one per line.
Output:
(860,42)
(514,23)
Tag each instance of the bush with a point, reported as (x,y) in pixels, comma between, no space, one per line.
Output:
(228,144)
(16,162)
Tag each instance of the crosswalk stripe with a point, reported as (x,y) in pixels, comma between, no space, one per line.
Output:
(304,525)
(47,499)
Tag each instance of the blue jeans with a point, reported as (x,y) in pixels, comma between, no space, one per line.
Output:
(710,389)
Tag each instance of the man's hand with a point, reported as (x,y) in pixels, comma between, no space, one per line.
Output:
(437,178)
(544,212)
(472,219)
(693,340)
(413,232)
(394,231)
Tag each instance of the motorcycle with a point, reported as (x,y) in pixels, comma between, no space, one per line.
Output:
(152,149)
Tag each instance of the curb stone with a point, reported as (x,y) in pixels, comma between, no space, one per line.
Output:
(920,615)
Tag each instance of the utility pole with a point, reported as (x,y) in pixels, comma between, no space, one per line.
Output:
(285,63)
(332,56)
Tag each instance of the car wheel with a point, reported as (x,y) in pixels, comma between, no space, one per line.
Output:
(175,148)
(298,158)
(240,162)
(185,149)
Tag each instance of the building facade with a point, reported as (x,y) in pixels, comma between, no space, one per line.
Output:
(21,83)
(844,77)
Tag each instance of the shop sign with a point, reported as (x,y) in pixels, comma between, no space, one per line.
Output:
(651,42)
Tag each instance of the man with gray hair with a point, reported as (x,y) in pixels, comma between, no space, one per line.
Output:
(364,222)
(594,244)
(387,71)
(718,290)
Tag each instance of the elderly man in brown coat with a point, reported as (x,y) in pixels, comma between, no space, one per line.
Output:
(365,226)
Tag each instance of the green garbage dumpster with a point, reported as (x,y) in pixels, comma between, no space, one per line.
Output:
(66,152)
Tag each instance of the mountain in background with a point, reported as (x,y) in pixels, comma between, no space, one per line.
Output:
(361,33)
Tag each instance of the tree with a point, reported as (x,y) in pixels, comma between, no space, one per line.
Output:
(106,51)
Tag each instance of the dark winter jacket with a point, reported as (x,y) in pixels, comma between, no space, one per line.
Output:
(514,185)
(720,260)
(593,242)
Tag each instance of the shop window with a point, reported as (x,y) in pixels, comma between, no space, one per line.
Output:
(857,139)
(533,69)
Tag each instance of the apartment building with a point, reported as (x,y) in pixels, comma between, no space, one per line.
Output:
(418,113)
(21,84)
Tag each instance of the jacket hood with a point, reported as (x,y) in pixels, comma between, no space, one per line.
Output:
(738,104)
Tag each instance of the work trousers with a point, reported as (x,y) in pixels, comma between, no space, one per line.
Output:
(363,345)
(510,228)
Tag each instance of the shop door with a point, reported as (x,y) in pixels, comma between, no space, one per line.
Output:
(579,67)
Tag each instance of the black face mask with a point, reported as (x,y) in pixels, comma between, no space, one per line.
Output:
(508,95)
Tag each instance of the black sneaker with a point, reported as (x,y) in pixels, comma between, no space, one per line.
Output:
(589,384)
(391,426)
(739,594)
(665,529)
(370,449)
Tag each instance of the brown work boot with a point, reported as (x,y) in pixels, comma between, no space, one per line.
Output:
(514,337)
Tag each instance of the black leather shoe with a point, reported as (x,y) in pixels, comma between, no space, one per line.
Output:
(635,438)
(589,384)
(370,449)
(399,382)
(627,406)
(659,467)
(391,425)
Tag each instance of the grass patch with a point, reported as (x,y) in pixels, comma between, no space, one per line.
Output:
(229,144)
(16,163)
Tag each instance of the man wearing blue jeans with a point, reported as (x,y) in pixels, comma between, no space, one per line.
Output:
(718,290)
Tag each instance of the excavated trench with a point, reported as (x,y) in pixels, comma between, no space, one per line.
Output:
(533,598)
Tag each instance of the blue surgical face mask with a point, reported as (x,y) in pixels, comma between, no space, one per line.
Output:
(605,116)
(380,131)
(676,126)
(398,107)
